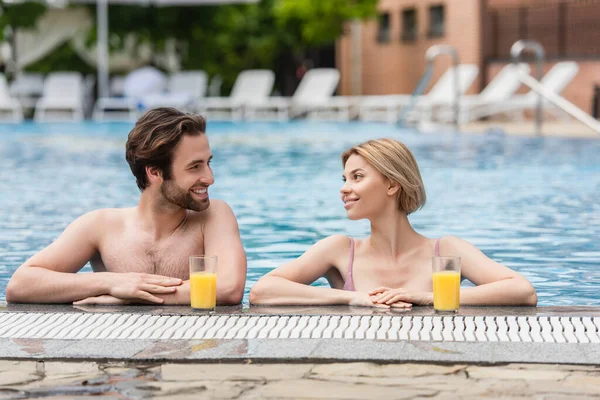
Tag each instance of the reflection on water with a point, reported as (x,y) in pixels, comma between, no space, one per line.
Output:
(528,203)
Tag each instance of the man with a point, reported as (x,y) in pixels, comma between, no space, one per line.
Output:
(140,254)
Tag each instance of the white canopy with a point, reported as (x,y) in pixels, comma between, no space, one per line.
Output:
(102,22)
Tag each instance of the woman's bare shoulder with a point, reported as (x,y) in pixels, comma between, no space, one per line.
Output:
(334,242)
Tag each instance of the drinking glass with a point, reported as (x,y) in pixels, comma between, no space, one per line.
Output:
(203,282)
(446,284)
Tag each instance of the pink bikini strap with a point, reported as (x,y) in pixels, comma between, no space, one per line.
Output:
(349,281)
(437,247)
(351,261)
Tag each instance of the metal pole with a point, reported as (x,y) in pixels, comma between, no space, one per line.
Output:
(430,55)
(355,58)
(515,52)
(102,47)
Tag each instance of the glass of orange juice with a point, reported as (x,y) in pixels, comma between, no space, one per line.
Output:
(203,282)
(446,284)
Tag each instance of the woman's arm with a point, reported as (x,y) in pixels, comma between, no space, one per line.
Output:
(497,285)
(290,283)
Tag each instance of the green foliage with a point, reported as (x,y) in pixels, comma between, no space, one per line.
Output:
(63,58)
(23,15)
(227,39)
(319,22)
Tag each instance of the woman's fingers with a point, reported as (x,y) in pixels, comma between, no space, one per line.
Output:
(379,290)
(385,297)
(384,306)
(400,300)
(401,304)
(398,297)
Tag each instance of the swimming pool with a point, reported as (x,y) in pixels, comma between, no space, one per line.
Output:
(530,203)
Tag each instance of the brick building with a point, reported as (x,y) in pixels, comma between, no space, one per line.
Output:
(387,55)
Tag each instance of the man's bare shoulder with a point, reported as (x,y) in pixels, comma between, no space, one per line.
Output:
(217,209)
(105,218)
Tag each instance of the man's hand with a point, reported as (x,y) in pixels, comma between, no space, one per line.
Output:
(104,299)
(401,297)
(135,287)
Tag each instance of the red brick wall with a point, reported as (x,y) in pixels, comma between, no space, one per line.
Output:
(396,67)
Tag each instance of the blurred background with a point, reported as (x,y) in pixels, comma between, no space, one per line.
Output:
(378,46)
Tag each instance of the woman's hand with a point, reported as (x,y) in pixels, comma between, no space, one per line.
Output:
(361,299)
(401,297)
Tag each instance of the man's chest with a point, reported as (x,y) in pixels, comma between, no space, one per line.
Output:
(169,257)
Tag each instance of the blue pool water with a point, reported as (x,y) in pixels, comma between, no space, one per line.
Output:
(529,203)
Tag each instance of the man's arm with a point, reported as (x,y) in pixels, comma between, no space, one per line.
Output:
(50,275)
(222,239)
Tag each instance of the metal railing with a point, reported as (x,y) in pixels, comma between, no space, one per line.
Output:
(432,53)
(515,52)
(544,93)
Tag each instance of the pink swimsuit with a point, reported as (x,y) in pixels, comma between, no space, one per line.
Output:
(349,283)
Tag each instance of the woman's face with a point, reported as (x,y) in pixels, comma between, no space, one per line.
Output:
(365,190)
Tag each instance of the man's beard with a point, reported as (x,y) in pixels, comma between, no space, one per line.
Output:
(182,198)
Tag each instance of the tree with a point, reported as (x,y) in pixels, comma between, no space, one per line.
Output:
(224,40)
(19,15)
(15,16)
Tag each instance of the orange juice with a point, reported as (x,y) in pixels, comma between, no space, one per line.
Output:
(446,290)
(203,290)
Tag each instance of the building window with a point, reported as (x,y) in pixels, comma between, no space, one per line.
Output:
(383,34)
(409,24)
(436,21)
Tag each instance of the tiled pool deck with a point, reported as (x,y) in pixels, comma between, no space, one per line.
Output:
(485,335)
(298,352)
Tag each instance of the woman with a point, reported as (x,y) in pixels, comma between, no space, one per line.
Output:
(392,266)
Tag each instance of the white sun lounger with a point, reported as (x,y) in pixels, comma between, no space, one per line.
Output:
(388,107)
(10,108)
(137,84)
(63,98)
(184,91)
(117,107)
(501,88)
(250,87)
(555,80)
(27,87)
(313,97)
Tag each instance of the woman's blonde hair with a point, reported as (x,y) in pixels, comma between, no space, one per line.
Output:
(394,161)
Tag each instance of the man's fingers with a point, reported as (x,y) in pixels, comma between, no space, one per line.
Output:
(163,280)
(89,300)
(148,297)
(379,290)
(158,289)
(104,299)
